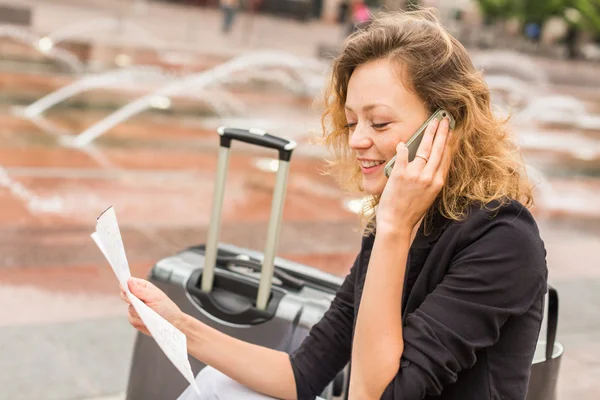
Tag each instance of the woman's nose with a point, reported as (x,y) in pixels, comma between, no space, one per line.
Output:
(359,138)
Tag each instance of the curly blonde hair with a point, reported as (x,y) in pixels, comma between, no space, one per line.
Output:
(486,164)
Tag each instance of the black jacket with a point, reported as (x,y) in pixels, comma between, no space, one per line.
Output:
(472,310)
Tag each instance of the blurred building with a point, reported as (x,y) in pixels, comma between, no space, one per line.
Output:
(328,10)
(447,9)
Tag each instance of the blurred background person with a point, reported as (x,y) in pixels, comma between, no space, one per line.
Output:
(360,15)
(230,9)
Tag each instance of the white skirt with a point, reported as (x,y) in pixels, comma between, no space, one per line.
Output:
(214,385)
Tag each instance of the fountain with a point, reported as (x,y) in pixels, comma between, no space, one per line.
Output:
(513,64)
(40,44)
(515,85)
(34,203)
(47,45)
(124,79)
(197,82)
(568,143)
(545,194)
(518,85)
(553,109)
(513,79)
(120,78)
(221,102)
(103,24)
(559,110)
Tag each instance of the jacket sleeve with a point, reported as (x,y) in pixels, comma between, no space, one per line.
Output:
(498,271)
(326,350)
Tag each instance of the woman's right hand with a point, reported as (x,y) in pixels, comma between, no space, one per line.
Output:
(154,298)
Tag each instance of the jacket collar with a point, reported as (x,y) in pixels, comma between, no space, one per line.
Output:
(430,230)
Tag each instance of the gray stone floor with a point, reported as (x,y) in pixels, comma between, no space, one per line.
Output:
(74,360)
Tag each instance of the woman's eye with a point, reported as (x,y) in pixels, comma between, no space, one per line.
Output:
(350,125)
(380,126)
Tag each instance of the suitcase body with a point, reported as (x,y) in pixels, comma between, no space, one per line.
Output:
(153,376)
(294,298)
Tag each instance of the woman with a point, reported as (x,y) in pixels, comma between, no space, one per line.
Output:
(445,299)
(230,8)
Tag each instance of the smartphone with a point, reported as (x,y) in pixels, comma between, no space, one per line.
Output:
(415,140)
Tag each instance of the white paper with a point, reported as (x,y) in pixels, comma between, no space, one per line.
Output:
(170,339)
(108,234)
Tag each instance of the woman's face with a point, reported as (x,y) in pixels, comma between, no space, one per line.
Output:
(380,112)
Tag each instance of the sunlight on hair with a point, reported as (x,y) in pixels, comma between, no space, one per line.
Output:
(358,206)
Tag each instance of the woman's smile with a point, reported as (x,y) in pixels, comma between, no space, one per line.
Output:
(369,166)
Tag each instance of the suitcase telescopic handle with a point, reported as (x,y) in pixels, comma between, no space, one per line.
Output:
(263,139)
(258,137)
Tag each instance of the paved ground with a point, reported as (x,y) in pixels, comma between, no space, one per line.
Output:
(63,334)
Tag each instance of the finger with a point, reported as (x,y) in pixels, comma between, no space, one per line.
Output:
(439,147)
(447,157)
(134,320)
(145,291)
(139,325)
(401,158)
(442,172)
(133,313)
(142,284)
(139,288)
(424,149)
(124,297)
(145,330)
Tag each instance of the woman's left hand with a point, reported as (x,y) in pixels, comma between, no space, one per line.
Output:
(413,187)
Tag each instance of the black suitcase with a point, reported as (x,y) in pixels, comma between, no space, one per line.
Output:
(248,294)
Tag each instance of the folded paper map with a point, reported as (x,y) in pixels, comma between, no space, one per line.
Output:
(170,339)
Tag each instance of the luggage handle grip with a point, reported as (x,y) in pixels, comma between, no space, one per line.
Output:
(552,321)
(286,279)
(257,137)
(233,299)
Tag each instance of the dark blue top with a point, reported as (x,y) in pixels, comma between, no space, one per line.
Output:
(472,310)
